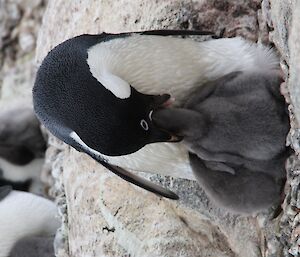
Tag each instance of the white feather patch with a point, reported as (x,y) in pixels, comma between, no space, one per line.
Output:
(174,163)
(19,173)
(156,64)
(75,136)
(23,214)
(98,61)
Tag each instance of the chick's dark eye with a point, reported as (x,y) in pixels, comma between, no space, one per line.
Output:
(144,125)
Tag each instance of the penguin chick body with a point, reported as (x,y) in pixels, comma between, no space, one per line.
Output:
(93,77)
(34,247)
(240,119)
(23,215)
(245,192)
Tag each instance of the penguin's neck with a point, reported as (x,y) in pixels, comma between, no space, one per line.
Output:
(156,64)
(151,64)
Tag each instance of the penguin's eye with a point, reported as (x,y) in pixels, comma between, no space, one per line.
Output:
(144,125)
(150,115)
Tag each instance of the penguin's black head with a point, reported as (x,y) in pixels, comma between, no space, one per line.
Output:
(148,104)
(140,129)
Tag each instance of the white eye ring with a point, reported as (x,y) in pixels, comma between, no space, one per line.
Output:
(144,125)
(150,115)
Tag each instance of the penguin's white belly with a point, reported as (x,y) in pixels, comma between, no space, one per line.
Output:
(155,65)
(169,159)
(21,173)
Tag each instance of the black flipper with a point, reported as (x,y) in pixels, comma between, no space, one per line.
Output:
(176,32)
(160,32)
(134,179)
(124,174)
(4,191)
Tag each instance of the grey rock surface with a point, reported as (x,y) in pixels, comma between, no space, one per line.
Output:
(283,18)
(19,25)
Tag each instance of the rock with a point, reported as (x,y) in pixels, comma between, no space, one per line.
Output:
(294,46)
(29,5)
(19,24)
(26,41)
(281,13)
(283,18)
(114,218)
(17,82)
(236,17)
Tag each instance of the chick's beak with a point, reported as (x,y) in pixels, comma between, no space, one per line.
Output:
(171,136)
(161,101)
(175,138)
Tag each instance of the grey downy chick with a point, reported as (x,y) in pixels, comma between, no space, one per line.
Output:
(245,192)
(238,120)
(34,246)
(236,128)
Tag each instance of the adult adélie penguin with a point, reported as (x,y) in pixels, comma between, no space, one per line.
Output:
(22,148)
(97,92)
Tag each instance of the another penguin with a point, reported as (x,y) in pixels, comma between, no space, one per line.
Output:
(24,215)
(245,192)
(22,148)
(240,119)
(87,93)
(34,246)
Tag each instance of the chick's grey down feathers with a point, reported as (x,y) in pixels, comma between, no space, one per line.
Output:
(243,192)
(235,128)
(239,119)
(34,247)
